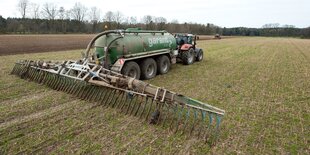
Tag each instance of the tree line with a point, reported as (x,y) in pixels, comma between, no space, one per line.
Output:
(49,18)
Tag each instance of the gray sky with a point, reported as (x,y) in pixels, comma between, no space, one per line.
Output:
(228,13)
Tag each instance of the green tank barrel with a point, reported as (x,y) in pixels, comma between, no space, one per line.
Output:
(133,41)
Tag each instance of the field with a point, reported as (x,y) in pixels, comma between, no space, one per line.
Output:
(262,83)
(20,44)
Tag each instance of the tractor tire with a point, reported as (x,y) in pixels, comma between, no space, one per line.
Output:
(188,57)
(199,56)
(148,68)
(131,69)
(163,64)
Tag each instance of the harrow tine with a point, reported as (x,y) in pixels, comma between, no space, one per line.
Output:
(144,106)
(150,108)
(134,104)
(129,104)
(121,102)
(186,119)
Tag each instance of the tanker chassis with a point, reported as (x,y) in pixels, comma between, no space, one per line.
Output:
(144,54)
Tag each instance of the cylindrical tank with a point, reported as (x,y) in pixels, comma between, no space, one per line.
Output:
(131,42)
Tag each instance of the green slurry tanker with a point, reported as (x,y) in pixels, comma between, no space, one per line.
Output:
(109,71)
(143,54)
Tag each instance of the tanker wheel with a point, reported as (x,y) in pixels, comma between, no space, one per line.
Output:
(163,64)
(148,68)
(199,55)
(188,57)
(131,69)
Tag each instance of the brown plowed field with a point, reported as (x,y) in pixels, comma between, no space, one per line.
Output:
(19,44)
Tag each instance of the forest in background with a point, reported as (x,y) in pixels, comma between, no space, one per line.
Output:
(51,19)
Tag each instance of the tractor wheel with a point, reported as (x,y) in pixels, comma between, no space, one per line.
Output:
(148,68)
(131,69)
(163,64)
(188,57)
(199,56)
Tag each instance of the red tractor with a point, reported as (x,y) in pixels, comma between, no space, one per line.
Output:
(188,52)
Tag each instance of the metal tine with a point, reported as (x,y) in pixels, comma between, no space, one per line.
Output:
(30,74)
(175,110)
(194,123)
(120,93)
(209,128)
(179,117)
(110,97)
(135,104)
(75,88)
(55,81)
(63,83)
(202,123)
(98,95)
(106,95)
(93,94)
(51,79)
(139,105)
(35,75)
(82,90)
(166,113)
(69,83)
(117,104)
(186,119)
(148,113)
(122,101)
(159,108)
(89,92)
(144,106)
(129,104)
(127,100)
(59,83)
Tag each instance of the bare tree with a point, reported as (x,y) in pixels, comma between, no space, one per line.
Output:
(108,17)
(148,21)
(49,11)
(35,8)
(22,7)
(94,14)
(133,20)
(160,22)
(118,18)
(61,13)
(78,12)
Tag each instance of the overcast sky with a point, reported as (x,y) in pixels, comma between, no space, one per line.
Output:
(224,13)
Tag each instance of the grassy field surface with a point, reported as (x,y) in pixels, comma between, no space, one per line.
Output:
(262,83)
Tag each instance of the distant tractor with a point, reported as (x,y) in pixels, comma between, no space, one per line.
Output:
(217,36)
(144,54)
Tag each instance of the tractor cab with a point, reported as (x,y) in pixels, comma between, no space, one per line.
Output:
(185,39)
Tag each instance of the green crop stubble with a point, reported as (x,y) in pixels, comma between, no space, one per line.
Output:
(262,83)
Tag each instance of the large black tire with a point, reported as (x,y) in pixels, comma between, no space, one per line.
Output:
(188,57)
(199,56)
(131,69)
(148,68)
(163,64)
